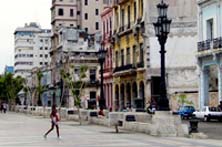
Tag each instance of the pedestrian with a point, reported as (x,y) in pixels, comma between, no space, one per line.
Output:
(54,121)
(4,105)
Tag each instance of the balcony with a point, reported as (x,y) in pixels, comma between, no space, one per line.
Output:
(210,44)
(124,68)
(140,65)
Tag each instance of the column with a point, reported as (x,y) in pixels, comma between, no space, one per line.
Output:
(219,83)
(204,87)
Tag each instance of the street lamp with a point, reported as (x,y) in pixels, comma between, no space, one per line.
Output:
(101,57)
(162,29)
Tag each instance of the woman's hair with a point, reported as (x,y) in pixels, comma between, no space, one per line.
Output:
(53,106)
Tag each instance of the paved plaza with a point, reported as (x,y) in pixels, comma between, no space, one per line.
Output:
(18,130)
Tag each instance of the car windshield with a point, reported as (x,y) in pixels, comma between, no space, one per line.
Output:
(187,108)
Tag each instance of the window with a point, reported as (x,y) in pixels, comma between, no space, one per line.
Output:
(128,55)
(122,17)
(92,75)
(134,54)
(86,2)
(78,12)
(128,13)
(46,63)
(97,25)
(46,48)
(40,55)
(135,11)
(86,29)
(71,25)
(86,16)
(61,13)
(71,13)
(116,59)
(141,53)
(40,63)
(97,11)
(92,95)
(210,29)
(41,48)
(46,56)
(122,57)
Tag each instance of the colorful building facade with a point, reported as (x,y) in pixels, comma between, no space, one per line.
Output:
(106,16)
(128,52)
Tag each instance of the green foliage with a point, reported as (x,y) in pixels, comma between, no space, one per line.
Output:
(40,89)
(182,100)
(76,86)
(10,86)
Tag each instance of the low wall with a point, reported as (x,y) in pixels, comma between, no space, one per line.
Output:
(160,124)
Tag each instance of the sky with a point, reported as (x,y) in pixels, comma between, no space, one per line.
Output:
(15,13)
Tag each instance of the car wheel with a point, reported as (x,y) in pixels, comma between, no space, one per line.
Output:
(206,119)
(182,117)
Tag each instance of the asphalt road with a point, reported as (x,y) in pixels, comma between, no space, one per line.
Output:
(18,130)
(212,129)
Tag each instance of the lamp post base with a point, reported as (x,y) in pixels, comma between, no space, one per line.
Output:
(163,105)
(102,104)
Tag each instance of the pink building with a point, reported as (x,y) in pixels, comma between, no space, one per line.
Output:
(106,39)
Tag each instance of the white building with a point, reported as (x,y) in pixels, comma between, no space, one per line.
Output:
(32,46)
(209,52)
(180,60)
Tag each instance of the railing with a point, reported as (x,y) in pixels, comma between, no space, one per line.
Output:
(124,68)
(210,44)
(140,64)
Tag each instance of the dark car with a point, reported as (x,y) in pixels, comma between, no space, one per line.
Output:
(186,111)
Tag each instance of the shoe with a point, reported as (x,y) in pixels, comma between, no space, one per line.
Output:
(45,136)
(59,138)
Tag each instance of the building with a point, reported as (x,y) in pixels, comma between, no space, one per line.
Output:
(209,53)
(136,74)
(128,51)
(32,46)
(90,19)
(9,69)
(77,48)
(107,15)
(180,60)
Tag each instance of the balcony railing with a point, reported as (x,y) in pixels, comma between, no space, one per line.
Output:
(140,64)
(124,68)
(210,44)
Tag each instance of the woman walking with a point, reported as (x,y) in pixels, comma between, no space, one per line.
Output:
(54,120)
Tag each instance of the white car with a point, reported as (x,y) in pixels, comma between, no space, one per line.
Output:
(208,113)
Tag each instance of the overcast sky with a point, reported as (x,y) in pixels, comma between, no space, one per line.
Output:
(15,13)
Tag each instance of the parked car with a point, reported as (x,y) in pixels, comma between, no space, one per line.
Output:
(208,113)
(186,112)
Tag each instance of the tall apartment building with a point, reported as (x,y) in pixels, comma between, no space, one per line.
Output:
(32,46)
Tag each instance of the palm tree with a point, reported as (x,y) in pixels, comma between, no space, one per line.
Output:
(39,88)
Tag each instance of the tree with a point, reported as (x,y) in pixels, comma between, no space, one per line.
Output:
(10,87)
(182,100)
(39,88)
(75,85)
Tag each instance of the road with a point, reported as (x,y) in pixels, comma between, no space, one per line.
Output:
(18,130)
(211,129)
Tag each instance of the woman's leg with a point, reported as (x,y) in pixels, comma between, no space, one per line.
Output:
(57,130)
(52,127)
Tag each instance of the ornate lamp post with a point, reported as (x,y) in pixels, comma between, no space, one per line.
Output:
(162,29)
(101,57)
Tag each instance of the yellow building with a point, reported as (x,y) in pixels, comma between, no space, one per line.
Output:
(128,52)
